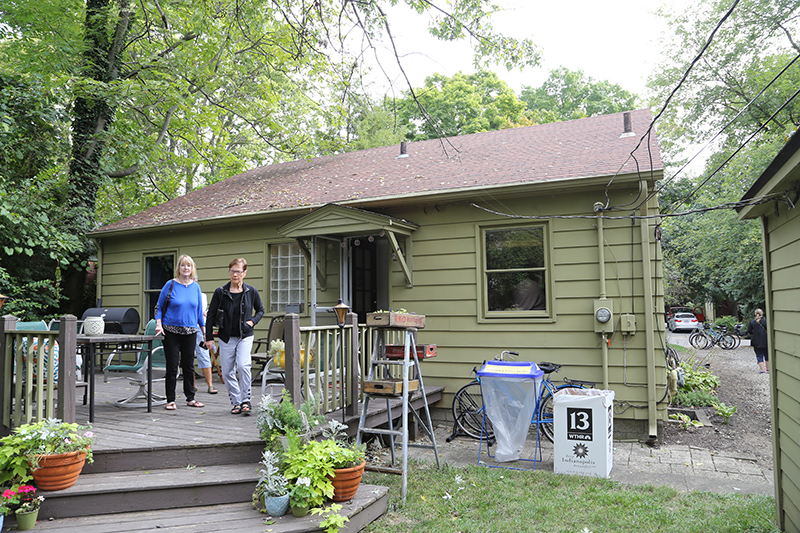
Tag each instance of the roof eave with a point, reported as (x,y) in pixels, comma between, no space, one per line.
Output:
(449,195)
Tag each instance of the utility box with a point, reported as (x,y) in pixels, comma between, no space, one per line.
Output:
(583,432)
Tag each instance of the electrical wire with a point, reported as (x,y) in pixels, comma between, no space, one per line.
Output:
(739,149)
(664,183)
(671,95)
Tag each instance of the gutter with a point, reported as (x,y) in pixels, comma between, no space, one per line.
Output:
(649,322)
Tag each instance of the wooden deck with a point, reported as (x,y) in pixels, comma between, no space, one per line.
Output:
(192,469)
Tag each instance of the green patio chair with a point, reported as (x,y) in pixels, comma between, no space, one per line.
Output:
(156,352)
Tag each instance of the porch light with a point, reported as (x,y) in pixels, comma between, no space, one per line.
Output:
(341,312)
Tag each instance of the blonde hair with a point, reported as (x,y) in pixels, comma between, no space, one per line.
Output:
(185,259)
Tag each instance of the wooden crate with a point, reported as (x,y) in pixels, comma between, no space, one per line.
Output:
(396,320)
(397,351)
(392,387)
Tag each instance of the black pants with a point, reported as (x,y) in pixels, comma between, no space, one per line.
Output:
(179,349)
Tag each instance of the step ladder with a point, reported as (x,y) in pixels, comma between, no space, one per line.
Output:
(381,385)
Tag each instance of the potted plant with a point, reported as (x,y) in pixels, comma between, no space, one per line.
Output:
(22,499)
(349,461)
(272,494)
(50,451)
(280,418)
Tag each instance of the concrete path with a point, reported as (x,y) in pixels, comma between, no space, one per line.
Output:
(681,467)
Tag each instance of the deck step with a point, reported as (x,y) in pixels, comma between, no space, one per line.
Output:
(369,504)
(169,488)
(133,459)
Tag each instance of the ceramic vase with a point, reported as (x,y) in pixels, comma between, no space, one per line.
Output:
(94,325)
(26,520)
(58,471)
(346,482)
(276,505)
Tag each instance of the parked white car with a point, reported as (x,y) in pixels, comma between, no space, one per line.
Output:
(682,321)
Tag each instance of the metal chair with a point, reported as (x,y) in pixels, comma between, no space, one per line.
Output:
(156,352)
(261,351)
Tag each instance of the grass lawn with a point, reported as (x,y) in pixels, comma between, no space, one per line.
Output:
(479,499)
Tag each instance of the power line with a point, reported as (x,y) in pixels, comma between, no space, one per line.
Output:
(663,184)
(648,133)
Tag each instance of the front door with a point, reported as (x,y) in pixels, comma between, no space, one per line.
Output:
(369,275)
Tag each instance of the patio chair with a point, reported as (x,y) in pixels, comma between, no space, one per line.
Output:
(139,368)
(123,368)
(261,352)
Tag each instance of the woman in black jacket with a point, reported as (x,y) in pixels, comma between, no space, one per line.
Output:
(758,340)
(235,309)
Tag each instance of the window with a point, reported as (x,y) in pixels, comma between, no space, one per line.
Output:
(158,270)
(287,276)
(515,273)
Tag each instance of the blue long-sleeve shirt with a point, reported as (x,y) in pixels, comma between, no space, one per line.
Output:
(185,305)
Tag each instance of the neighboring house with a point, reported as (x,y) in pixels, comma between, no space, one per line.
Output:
(439,228)
(780,222)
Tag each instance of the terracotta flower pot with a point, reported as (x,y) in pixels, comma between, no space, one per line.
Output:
(58,471)
(346,482)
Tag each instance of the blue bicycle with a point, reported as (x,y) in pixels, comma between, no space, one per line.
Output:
(468,408)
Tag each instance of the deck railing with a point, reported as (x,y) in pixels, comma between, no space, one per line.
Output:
(27,391)
(341,356)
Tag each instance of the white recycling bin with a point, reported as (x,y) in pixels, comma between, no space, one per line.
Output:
(509,390)
(583,432)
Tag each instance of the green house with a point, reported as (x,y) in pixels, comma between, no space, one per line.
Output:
(773,200)
(510,239)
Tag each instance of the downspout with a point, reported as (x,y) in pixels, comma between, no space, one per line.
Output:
(649,313)
(598,208)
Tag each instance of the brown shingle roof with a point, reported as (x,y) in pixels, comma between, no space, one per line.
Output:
(574,149)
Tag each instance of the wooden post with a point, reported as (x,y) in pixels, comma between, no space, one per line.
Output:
(67,368)
(9,323)
(293,360)
(351,405)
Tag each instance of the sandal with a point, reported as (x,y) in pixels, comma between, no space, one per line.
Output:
(236,410)
(171,406)
(212,390)
(195,403)
(246,408)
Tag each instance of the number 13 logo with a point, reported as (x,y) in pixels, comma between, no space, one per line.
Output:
(579,423)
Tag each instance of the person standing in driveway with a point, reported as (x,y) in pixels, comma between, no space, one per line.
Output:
(241,309)
(758,340)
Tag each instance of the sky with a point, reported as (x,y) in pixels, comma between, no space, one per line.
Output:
(614,40)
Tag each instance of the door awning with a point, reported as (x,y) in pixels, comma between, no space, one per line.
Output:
(339,221)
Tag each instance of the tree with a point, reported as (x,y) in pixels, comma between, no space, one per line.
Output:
(718,255)
(569,94)
(465,103)
(167,96)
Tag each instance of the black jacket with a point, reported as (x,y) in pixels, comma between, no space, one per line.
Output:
(223,301)
(758,333)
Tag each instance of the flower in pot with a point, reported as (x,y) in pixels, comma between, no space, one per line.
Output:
(34,450)
(279,418)
(308,468)
(272,494)
(23,501)
(303,496)
(349,461)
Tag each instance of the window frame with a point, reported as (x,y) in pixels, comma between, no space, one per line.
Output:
(147,291)
(303,278)
(534,315)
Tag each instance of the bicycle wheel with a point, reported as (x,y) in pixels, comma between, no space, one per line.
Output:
(468,412)
(727,342)
(698,341)
(546,411)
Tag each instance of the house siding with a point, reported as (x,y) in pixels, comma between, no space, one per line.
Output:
(782,245)
(446,255)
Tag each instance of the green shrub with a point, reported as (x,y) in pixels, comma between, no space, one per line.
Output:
(697,378)
(695,398)
(727,321)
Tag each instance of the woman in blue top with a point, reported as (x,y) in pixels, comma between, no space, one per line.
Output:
(179,315)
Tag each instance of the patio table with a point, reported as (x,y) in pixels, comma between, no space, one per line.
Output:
(93,341)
